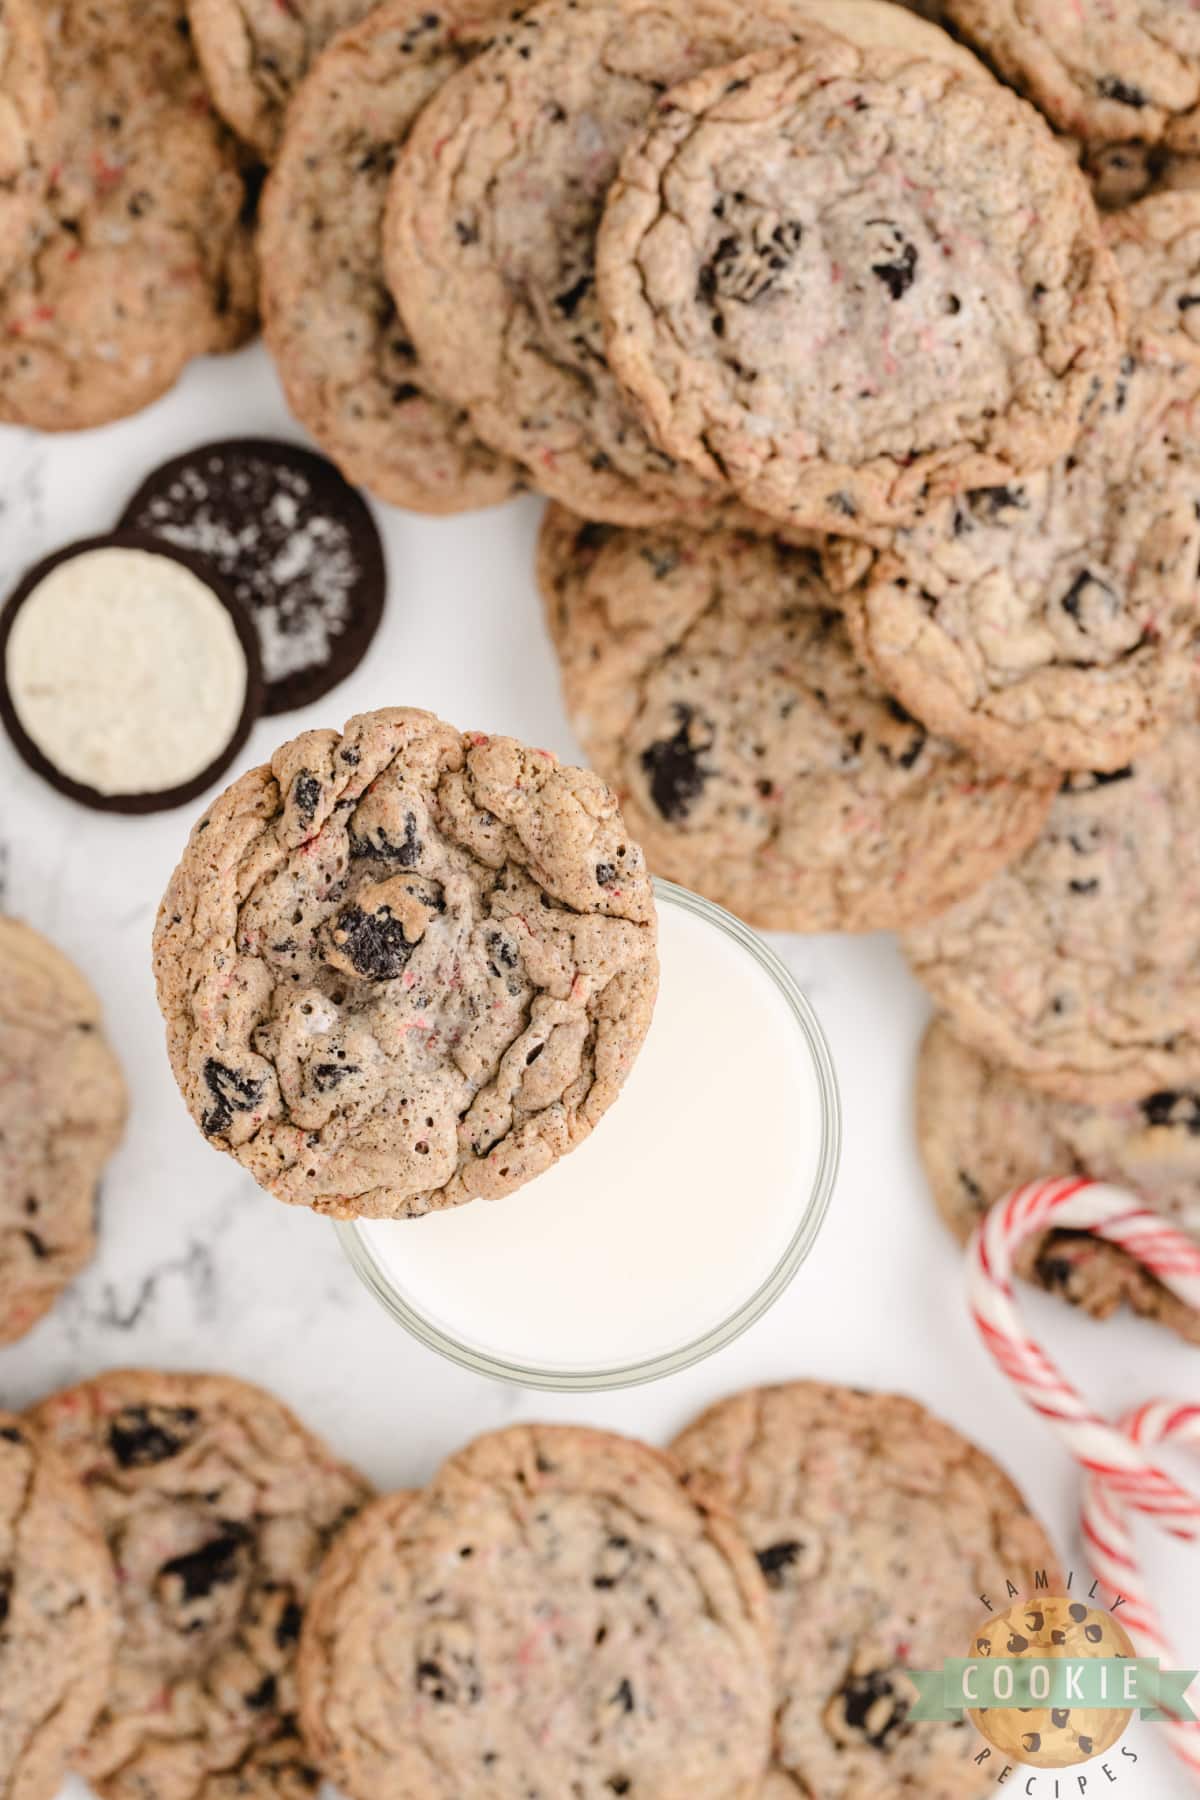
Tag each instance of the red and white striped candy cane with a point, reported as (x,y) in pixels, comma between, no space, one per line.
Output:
(1112,1552)
(1112,1556)
(1120,1474)
(1078,1205)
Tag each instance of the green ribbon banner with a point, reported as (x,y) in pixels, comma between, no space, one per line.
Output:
(1106,1683)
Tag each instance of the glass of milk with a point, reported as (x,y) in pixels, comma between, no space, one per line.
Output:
(676,1224)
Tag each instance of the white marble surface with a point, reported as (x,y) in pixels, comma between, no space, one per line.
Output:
(198,1269)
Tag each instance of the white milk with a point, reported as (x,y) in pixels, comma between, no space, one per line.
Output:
(664,1223)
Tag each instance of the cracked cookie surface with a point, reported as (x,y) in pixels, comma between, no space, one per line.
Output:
(489,239)
(28,120)
(405,967)
(140,257)
(846,1498)
(1078,966)
(1157,246)
(345,355)
(524,1625)
(58,1614)
(983,1132)
(217,1506)
(62,1111)
(711,680)
(843,278)
(1106,71)
(1054,620)
(256,53)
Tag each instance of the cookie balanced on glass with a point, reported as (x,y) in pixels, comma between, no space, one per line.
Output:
(404,967)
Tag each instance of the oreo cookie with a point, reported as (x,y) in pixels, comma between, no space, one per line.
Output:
(129,674)
(295,543)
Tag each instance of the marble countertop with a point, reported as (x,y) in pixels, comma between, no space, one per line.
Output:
(199,1269)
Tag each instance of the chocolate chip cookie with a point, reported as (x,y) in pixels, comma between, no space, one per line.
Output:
(255,54)
(140,256)
(983,1132)
(711,680)
(877,1528)
(344,354)
(810,289)
(405,967)
(554,1615)
(28,118)
(1054,620)
(218,1507)
(1078,967)
(1106,71)
(58,1614)
(62,1111)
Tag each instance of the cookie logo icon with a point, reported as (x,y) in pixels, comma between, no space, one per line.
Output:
(1036,1649)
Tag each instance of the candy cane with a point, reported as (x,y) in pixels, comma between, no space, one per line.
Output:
(1120,1475)
(1112,1553)
(1078,1205)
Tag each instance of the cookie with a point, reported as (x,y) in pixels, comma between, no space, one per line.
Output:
(129,675)
(344,354)
(1105,71)
(1053,620)
(58,1612)
(28,119)
(984,1132)
(492,215)
(839,331)
(404,967)
(711,680)
(1157,246)
(296,546)
(140,256)
(877,1528)
(554,1615)
(255,54)
(1078,966)
(218,1506)
(62,1111)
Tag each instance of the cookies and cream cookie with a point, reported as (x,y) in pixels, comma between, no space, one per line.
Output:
(344,353)
(812,290)
(1105,71)
(877,1528)
(58,1613)
(28,123)
(711,680)
(62,1111)
(555,1614)
(1053,620)
(255,54)
(983,1132)
(1078,966)
(489,238)
(217,1507)
(403,967)
(140,255)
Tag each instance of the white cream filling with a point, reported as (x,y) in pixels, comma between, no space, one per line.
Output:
(126,671)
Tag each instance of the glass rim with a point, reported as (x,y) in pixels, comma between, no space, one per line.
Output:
(636,1373)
